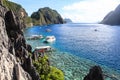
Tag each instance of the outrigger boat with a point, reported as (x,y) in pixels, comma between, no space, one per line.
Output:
(40,51)
(50,39)
(35,37)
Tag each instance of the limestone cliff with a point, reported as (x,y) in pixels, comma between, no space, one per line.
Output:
(45,16)
(18,11)
(112,18)
(15,61)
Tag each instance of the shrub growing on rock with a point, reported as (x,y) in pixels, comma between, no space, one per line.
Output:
(47,72)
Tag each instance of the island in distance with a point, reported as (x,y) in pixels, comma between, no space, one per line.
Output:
(45,16)
(67,20)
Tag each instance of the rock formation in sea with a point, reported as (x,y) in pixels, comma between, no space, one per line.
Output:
(67,20)
(45,16)
(95,73)
(112,18)
(15,59)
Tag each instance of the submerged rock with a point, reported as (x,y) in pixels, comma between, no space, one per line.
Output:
(95,73)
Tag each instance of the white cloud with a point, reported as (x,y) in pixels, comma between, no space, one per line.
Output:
(89,10)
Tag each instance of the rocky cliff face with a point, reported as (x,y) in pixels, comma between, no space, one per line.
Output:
(15,61)
(113,18)
(18,11)
(45,16)
(95,73)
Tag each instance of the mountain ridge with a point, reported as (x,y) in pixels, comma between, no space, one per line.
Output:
(113,17)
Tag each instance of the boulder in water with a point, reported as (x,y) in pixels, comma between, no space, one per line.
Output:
(95,73)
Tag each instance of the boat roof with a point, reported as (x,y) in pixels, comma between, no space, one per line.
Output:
(36,35)
(42,47)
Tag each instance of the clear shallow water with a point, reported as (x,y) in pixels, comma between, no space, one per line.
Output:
(76,68)
(81,40)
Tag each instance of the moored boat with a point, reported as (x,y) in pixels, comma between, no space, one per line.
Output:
(50,39)
(35,37)
(40,51)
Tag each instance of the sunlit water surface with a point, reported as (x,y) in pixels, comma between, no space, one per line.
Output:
(80,46)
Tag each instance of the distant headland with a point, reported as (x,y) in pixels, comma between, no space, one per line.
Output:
(113,17)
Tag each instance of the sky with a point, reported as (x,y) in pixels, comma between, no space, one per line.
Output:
(83,11)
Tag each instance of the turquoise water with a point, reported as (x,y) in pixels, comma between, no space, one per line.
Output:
(78,43)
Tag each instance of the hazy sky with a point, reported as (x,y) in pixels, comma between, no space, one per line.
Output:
(76,10)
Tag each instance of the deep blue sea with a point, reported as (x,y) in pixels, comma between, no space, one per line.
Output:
(96,42)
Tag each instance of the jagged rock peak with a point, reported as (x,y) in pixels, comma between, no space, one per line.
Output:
(10,69)
(14,52)
(18,11)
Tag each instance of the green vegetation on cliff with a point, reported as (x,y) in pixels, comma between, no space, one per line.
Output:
(47,72)
(45,16)
(11,5)
(28,21)
(19,11)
